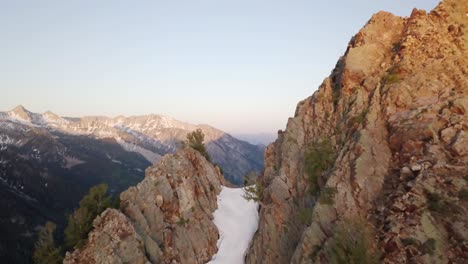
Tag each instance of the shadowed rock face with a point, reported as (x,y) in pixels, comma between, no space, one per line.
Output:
(167,218)
(394,109)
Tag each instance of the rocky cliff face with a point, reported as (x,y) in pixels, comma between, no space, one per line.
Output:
(167,218)
(381,145)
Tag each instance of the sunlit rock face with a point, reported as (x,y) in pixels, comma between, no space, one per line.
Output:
(394,113)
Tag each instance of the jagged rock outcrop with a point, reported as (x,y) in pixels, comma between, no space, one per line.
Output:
(167,218)
(114,240)
(392,118)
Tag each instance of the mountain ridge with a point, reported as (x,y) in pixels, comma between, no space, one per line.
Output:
(150,135)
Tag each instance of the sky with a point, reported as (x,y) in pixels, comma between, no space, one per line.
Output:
(239,65)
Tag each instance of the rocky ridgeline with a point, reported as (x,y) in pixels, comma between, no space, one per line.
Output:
(390,125)
(167,218)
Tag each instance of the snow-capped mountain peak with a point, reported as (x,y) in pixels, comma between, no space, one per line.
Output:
(20,113)
(52,118)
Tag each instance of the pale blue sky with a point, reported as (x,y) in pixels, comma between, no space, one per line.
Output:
(239,65)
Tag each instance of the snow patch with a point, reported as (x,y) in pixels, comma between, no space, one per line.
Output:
(6,140)
(116,161)
(72,161)
(149,155)
(237,222)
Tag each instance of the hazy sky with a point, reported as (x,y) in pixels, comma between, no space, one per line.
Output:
(239,65)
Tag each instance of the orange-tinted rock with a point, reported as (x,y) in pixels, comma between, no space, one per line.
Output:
(394,109)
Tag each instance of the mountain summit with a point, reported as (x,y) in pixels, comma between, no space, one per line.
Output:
(20,113)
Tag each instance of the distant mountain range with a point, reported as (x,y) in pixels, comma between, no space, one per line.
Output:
(48,162)
(152,136)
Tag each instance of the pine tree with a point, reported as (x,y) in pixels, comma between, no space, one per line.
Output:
(80,222)
(45,251)
(195,140)
(254,193)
